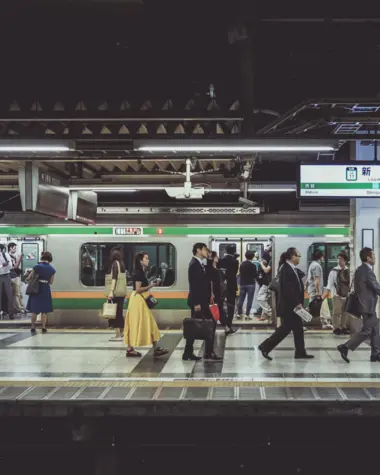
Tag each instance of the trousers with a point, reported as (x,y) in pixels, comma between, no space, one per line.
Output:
(339,316)
(290,322)
(369,330)
(231,301)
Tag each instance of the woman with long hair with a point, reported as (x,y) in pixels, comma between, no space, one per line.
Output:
(140,326)
(117,269)
(218,289)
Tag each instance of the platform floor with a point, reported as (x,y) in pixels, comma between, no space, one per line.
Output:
(75,356)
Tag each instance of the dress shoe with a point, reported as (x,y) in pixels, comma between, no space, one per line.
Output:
(230,331)
(375,359)
(304,357)
(191,358)
(346,331)
(337,331)
(212,357)
(265,353)
(343,350)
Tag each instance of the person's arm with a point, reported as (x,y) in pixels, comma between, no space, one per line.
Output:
(266,269)
(372,282)
(194,279)
(289,287)
(52,279)
(140,289)
(330,283)
(317,280)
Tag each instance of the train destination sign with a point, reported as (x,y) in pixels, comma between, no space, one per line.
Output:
(128,231)
(356,180)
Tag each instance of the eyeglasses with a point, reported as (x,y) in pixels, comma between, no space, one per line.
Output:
(298,255)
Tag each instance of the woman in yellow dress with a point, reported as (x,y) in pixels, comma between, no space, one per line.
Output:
(140,326)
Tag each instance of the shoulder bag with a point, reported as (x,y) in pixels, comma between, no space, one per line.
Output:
(33,286)
(151,302)
(109,310)
(351,304)
(121,283)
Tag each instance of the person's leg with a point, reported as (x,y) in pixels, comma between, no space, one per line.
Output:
(361,336)
(7,289)
(44,318)
(276,338)
(251,293)
(375,337)
(243,293)
(189,347)
(34,321)
(298,336)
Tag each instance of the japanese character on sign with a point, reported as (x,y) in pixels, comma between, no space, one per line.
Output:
(366,171)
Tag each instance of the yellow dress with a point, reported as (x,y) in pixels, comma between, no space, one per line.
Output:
(140,328)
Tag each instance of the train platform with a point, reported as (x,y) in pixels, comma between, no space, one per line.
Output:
(62,370)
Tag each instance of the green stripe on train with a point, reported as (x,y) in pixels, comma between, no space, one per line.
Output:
(96,304)
(177,231)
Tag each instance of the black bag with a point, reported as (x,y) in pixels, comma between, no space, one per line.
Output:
(351,304)
(274,285)
(33,286)
(315,307)
(151,302)
(198,328)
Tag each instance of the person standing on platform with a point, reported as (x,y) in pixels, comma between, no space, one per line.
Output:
(291,297)
(116,269)
(230,265)
(339,285)
(367,289)
(248,283)
(199,301)
(6,295)
(218,289)
(42,302)
(263,297)
(18,300)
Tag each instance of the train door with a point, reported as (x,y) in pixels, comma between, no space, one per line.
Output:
(257,246)
(220,246)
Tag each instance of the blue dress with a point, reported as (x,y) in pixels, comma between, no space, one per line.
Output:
(42,302)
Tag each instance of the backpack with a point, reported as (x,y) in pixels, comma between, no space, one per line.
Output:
(342,282)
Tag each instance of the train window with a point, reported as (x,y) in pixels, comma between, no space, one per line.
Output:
(256,248)
(95,261)
(330,252)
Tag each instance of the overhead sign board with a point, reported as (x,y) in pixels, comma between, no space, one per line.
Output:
(43,192)
(355,180)
(83,206)
(128,231)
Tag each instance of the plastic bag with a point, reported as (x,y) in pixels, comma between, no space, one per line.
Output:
(325,310)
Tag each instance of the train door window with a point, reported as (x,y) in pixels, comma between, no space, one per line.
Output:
(95,261)
(220,246)
(256,248)
(330,252)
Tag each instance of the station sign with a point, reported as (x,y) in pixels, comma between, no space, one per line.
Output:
(352,180)
(43,192)
(83,206)
(128,231)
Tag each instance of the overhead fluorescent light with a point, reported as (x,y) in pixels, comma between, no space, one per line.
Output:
(107,189)
(235,148)
(30,146)
(34,148)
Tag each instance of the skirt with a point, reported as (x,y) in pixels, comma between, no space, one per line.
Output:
(140,327)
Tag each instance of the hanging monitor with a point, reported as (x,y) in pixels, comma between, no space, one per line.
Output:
(83,206)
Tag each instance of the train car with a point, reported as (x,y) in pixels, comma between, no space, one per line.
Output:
(81,256)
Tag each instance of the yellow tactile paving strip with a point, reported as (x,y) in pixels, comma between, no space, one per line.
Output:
(188,384)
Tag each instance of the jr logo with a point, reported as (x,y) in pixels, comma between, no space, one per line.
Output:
(351,173)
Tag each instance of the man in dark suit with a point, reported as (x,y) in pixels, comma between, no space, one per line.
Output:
(199,301)
(367,289)
(291,296)
(230,265)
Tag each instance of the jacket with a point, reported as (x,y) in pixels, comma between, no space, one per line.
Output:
(367,289)
(199,285)
(230,265)
(291,291)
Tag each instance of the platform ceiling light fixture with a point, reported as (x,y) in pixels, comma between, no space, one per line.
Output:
(234,148)
(35,146)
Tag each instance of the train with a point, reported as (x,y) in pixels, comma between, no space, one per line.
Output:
(81,253)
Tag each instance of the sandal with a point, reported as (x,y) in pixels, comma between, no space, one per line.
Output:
(160,352)
(133,354)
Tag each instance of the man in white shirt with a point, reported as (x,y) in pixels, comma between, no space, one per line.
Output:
(6,305)
(339,285)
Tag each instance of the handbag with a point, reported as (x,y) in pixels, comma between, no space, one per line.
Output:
(274,284)
(33,286)
(198,328)
(121,283)
(214,310)
(315,307)
(109,310)
(351,304)
(151,302)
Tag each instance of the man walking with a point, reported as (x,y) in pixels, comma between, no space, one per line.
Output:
(367,289)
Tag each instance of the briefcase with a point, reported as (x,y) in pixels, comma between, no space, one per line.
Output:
(351,305)
(198,328)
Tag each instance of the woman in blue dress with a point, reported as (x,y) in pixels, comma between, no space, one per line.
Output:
(42,302)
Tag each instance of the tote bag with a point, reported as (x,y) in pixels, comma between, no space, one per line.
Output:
(121,283)
(109,310)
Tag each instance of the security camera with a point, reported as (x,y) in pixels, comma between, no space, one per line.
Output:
(247,203)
